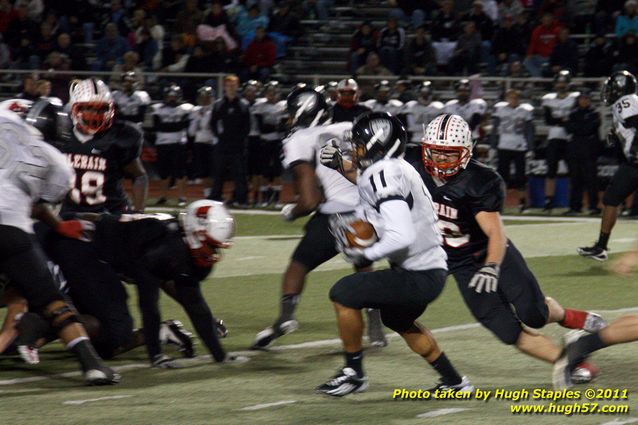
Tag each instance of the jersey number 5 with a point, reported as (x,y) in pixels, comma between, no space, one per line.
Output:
(452,235)
(621,105)
(90,190)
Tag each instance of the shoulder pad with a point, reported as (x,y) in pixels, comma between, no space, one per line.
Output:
(409,104)
(526,106)
(127,134)
(483,177)
(500,105)
(549,96)
(451,102)
(156,106)
(369,103)
(143,96)
(437,104)
(396,103)
(186,107)
(574,94)
(479,101)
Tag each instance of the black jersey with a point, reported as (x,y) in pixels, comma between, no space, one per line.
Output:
(99,168)
(475,189)
(143,243)
(340,114)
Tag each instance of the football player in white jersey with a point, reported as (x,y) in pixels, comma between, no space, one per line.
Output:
(382,102)
(33,173)
(130,102)
(619,92)
(251,92)
(271,117)
(321,190)
(471,111)
(396,202)
(418,114)
(557,108)
(170,122)
(205,140)
(513,137)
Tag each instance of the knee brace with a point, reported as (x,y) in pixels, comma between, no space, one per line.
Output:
(60,315)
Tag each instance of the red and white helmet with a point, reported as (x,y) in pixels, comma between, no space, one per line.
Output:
(18,106)
(92,107)
(447,133)
(350,88)
(207,226)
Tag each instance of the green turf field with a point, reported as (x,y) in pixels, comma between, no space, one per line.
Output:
(277,387)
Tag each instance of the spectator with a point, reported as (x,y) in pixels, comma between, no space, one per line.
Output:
(421,58)
(606,13)
(189,17)
(117,15)
(485,27)
(390,46)
(629,20)
(230,123)
(598,58)
(506,45)
(29,88)
(46,42)
(110,49)
(491,10)
(248,21)
(467,53)
(216,24)
(7,14)
(147,48)
(565,54)
(372,67)
(75,53)
(130,63)
(541,45)
(284,27)
(412,12)
(581,15)
(556,8)
(510,7)
(517,70)
(260,56)
(445,31)
(174,59)
(77,18)
(626,56)
(318,9)
(363,41)
(35,8)
(21,28)
(582,152)
(5,54)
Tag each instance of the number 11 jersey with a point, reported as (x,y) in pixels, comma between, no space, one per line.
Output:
(99,168)
(476,188)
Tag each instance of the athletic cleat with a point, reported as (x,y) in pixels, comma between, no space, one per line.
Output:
(29,354)
(594,252)
(173,332)
(465,386)
(343,383)
(376,336)
(222,330)
(266,337)
(594,323)
(584,373)
(568,361)
(235,359)
(101,376)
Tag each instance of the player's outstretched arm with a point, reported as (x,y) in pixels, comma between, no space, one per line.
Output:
(136,171)
(308,188)
(492,225)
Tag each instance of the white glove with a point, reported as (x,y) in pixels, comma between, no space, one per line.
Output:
(492,153)
(486,278)
(330,156)
(339,225)
(286,212)
(355,256)
(529,155)
(162,361)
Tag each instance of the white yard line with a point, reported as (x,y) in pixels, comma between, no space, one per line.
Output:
(267,405)
(441,412)
(621,421)
(91,400)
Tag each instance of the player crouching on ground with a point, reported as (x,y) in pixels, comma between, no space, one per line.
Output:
(490,272)
(396,202)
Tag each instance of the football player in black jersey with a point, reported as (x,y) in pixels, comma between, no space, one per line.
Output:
(490,272)
(348,107)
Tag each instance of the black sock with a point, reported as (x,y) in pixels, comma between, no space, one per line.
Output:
(588,344)
(449,375)
(522,201)
(353,360)
(86,354)
(288,304)
(549,201)
(603,239)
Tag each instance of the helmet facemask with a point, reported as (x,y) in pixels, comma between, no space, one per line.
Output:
(444,162)
(92,117)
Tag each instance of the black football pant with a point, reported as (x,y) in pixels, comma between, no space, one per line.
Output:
(235,164)
(518,299)
(582,173)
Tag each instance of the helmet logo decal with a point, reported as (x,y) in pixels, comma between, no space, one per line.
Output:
(382,129)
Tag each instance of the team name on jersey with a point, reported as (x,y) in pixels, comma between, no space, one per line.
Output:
(446,211)
(86,162)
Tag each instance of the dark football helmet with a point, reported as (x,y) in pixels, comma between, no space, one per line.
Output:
(306,107)
(377,136)
(173,94)
(425,90)
(562,80)
(129,81)
(205,95)
(463,89)
(46,117)
(620,83)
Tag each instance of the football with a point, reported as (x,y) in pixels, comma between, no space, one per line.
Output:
(362,234)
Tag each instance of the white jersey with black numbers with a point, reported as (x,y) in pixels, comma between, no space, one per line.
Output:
(560,108)
(304,145)
(271,119)
(254,128)
(396,180)
(169,115)
(466,110)
(30,170)
(512,125)
(418,116)
(131,105)
(392,106)
(623,109)
(199,126)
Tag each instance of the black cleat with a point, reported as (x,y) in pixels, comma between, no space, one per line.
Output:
(594,252)
(345,382)
(173,332)
(220,327)
(266,337)
(101,376)
(465,386)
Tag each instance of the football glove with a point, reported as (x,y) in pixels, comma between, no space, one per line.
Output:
(162,361)
(330,156)
(611,139)
(486,278)
(339,224)
(529,155)
(286,212)
(355,256)
(76,229)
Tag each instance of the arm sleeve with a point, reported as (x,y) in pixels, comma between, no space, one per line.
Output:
(529,135)
(475,120)
(398,232)
(496,121)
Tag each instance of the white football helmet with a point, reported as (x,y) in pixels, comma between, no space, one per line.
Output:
(347,86)
(447,134)
(207,226)
(92,107)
